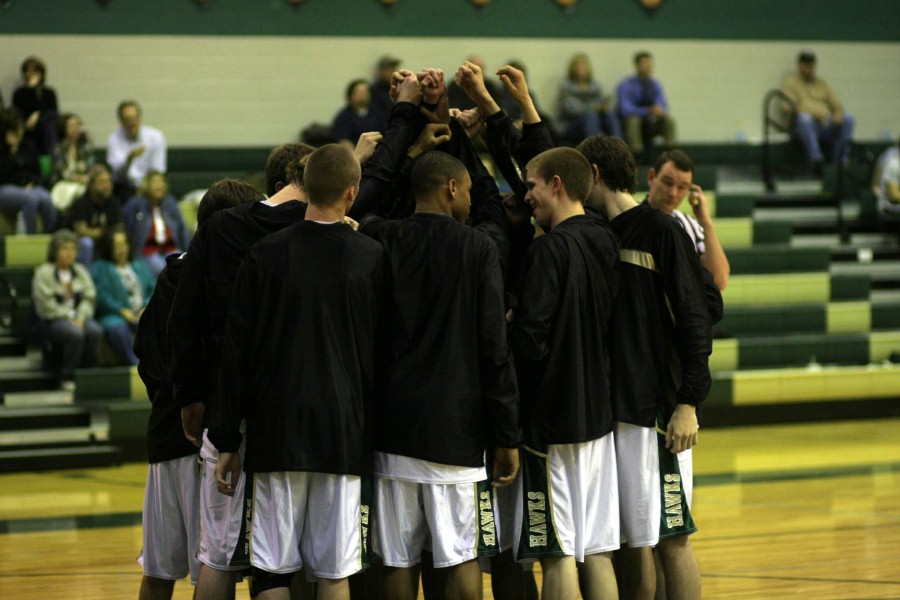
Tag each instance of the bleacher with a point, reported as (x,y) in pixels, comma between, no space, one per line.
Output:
(811,327)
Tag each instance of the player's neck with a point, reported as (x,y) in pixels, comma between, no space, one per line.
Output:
(286,194)
(618,202)
(329,213)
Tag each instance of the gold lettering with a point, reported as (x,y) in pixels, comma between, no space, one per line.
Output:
(537,519)
(674,521)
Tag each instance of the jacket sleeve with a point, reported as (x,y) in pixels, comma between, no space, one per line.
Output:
(226,413)
(685,290)
(380,182)
(498,375)
(502,137)
(188,329)
(539,295)
(487,213)
(150,337)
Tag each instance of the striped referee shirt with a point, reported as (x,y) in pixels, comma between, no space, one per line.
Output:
(693,229)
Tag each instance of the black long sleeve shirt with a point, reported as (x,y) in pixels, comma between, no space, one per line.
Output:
(165,436)
(446,386)
(299,351)
(661,333)
(559,333)
(200,309)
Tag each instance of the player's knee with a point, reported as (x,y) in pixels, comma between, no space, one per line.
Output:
(674,544)
(264,581)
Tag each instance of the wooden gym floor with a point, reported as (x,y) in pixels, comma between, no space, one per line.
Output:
(788,511)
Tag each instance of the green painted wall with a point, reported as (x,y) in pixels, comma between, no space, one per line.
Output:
(850,20)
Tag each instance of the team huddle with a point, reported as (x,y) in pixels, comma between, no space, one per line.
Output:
(389,366)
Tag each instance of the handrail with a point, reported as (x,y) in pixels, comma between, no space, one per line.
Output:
(770,121)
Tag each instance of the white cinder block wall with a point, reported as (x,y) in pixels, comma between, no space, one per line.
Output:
(260,91)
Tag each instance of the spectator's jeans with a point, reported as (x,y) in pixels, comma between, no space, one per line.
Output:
(80,347)
(30,201)
(810,132)
(121,339)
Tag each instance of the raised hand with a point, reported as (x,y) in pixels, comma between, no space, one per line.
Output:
(470,119)
(432,136)
(365,146)
(398,78)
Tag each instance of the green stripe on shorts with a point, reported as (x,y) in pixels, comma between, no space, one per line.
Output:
(675,514)
(241,555)
(488,544)
(366,496)
(539,537)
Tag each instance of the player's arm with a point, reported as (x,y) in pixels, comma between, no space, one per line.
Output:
(713,258)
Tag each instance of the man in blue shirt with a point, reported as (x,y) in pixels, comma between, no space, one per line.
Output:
(643,107)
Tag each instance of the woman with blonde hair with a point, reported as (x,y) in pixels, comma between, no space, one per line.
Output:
(583,110)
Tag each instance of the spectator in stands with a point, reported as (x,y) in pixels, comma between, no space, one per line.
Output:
(73,157)
(671,182)
(154,222)
(64,295)
(133,150)
(316,135)
(124,287)
(887,179)
(94,212)
(643,107)
(583,111)
(820,115)
(37,105)
(381,89)
(21,182)
(357,117)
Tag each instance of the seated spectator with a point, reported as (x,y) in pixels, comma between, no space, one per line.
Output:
(64,295)
(94,212)
(316,135)
(820,115)
(21,182)
(356,117)
(887,179)
(583,111)
(643,108)
(381,89)
(72,159)
(133,150)
(37,105)
(124,287)
(154,223)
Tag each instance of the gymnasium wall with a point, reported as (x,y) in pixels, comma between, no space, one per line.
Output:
(254,72)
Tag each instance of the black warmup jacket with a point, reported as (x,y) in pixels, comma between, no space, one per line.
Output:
(445,386)
(559,333)
(661,333)
(299,350)
(200,309)
(165,436)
